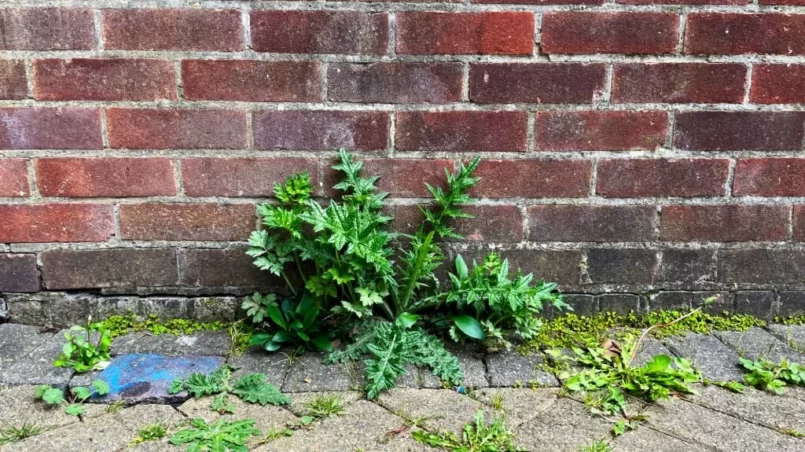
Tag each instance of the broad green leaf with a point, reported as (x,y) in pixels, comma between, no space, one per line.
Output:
(101,387)
(469,326)
(74,410)
(406,320)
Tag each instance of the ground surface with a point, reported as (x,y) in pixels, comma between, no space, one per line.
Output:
(711,420)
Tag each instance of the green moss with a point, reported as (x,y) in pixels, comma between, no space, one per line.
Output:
(122,324)
(791,320)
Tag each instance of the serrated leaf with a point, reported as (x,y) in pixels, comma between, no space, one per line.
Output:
(101,387)
(253,388)
(53,396)
(74,410)
(176,386)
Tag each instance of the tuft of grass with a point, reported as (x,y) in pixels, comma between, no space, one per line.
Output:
(116,406)
(598,446)
(791,432)
(325,406)
(14,433)
(152,432)
(476,437)
(497,401)
(273,434)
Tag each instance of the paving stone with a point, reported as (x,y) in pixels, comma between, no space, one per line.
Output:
(17,341)
(300,400)
(471,363)
(101,434)
(17,407)
(411,378)
(37,367)
(508,369)
(363,426)
(795,393)
(266,417)
(645,439)
(753,406)
(650,348)
(757,342)
(85,379)
(716,430)
(441,409)
(273,365)
(567,426)
(309,374)
(204,343)
(520,405)
(715,360)
(401,442)
(792,335)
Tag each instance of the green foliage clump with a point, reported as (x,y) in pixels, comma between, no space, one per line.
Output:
(325,406)
(74,405)
(598,446)
(152,432)
(80,353)
(119,325)
(791,320)
(13,433)
(286,323)
(768,376)
(251,388)
(475,437)
(220,436)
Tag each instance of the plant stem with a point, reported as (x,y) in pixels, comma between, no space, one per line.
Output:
(659,325)
(299,267)
(402,305)
(288,282)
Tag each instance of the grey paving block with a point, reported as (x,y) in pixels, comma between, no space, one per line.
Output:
(301,400)
(84,379)
(508,369)
(37,367)
(650,348)
(17,407)
(203,343)
(792,335)
(16,341)
(309,374)
(100,434)
(645,439)
(274,365)
(440,409)
(715,360)
(520,404)
(472,365)
(567,426)
(753,406)
(757,342)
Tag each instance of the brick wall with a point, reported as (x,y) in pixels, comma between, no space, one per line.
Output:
(641,153)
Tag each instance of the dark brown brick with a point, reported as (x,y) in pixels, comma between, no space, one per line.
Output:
(13,178)
(541,83)
(627,178)
(679,83)
(258,81)
(50,128)
(685,2)
(43,223)
(609,32)
(104,79)
(482,131)
(621,266)
(558,266)
(176,129)
(761,266)
(104,177)
(394,83)
(18,273)
(153,221)
(758,303)
(533,179)
(321,130)
(173,29)
(46,29)
(539,2)
(621,303)
(600,130)
(499,223)
(730,33)
(735,131)
(778,84)
(799,223)
(728,223)
(688,300)
(13,84)
(688,267)
(769,177)
(404,178)
(208,268)
(572,223)
(491,33)
(247,177)
(790,304)
(92,269)
(339,32)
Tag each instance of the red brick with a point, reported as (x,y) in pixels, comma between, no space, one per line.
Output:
(600,130)
(496,224)
(96,269)
(533,179)
(344,32)
(46,29)
(735,131)
(13,178)
(577,223)
(104,177)
(104,79)
(481,131)
(404,178)
(799,225)
(684,2)
(13,84)
(490,33)
(778,84)
(18,273)
(783,2)
(44,223)
(50,128)
(172,129)
(173,29)
(539,2)
(321,130)
(661,178)
(730,223)
(552,83)
(182,222)
(227,268)
(729,34)
(434,83)
(769,177)
(613,32)
(242,177)
(679,83)
(246,80)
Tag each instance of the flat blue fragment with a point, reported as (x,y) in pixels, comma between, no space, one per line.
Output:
(140,378)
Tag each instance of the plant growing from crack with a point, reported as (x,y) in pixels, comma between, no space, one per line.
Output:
(74,404)
(768,376)
(80,353)
(220,436)
(18,433)
(475,437)
(251,388)
(151,432)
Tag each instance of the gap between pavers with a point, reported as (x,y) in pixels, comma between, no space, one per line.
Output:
(758,343)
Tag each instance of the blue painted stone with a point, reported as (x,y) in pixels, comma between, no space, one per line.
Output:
(139,378)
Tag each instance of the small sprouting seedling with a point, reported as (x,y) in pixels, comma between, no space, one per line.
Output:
(476,437)
(74,405)
(251,388)
(219,436)
(497,401)
(152,432)
(116,406)
(222,405)
(624,425)
(306,420)
(81,353)
(14,433)
(732,386)
(598,446)
(765,375)
(274,434)
(785,431)
(325,405)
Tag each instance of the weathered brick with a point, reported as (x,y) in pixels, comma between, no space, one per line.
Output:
(783,2)
(339,32)
(799,223)
(583,304)
(790,304)
(778,84)
(542,83)
(405,178)
(685,2)
(46,29)
(621,266)
(434,83)
(242,177)
(533,179)
(559,266)
(610,32)
(731,33)
(685,300)
(42,223)
(104,79)
(176,129)
(757,303)
(173,29)
(50,128)
(573,223)
(13,84)
(728,223)
(423,33)
(483,131)
(761,266)
(104,177)
(321,130)
(246,80)
(208,268)
(735,131)
(769,177)
(13,178)
(621,303)
(627,178)
(152,221)
(498,223)
(18,273)
(539,2)
(126,267)
(679,83)
(600,130)
(689,267)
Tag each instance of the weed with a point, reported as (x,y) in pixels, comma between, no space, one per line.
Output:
(251,388)
(152,432)
(497,401)
(325,405)
(81,353)
(475,437)
(766,375)
(74,405)
(292,324)
(274,434)
(14,433)
(624,425)
(219,436)
(116,406)
(785,431)
(598,446)
(732,386)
